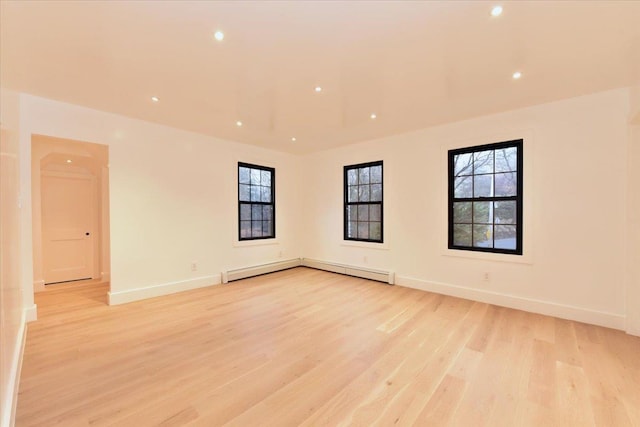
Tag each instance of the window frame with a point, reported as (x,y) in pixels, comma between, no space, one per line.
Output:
(346,203)
(272,203)
(518,198)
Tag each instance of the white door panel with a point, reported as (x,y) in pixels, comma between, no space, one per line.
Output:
(68,208)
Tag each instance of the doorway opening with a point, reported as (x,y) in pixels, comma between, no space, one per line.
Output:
(70,193)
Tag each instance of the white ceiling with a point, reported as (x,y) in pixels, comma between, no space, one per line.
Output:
(414,64)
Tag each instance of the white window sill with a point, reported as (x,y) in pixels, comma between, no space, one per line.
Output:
(366,245)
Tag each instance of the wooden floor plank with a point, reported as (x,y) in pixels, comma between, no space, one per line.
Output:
(306,347)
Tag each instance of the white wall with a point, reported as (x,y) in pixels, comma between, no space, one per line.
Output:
(172,199)
(12,316)
(574,197)
(633,204)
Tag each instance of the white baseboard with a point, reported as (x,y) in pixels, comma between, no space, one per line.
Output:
(130,295)
(351,270)
(256,270)
(8,412)
(38,285)
(31,313)
(609,320)
(633,328)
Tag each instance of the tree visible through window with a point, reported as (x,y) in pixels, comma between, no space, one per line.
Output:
(485,198)
(256,202)
(363,202)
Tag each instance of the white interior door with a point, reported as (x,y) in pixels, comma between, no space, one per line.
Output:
(68,209)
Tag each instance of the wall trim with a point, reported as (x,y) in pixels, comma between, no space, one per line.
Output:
(600,318)
(123,297)
(13,385)
(31,313)
(632,328)
(38,285)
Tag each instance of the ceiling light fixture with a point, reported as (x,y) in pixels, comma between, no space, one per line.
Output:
(293,139)
(238,123)
(219,35)
(68,160)
(155,99)
(318,89)
(517,75)
(373,116)
(496,11)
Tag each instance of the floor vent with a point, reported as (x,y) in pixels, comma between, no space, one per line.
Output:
(243,273)
(365,273)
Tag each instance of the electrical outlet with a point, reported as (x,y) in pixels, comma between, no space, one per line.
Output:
(194,266)
(486,276)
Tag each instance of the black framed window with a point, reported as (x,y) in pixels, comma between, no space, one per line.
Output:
(363,202)
(485,198)
(256,202)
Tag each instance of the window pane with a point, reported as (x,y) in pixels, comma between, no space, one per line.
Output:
(363,193)
(265,178)
(353,193)
(462,212)
(243,175)
(463,187)
(256,228)
(507,159)
(244,194)
(504,212)
(352,213)
(462,235)
(245,229)
(363,176)
(352,177)
(483,212)
(375,231)
(245,212)
(267,228)
(506,184)
(463,164)
(267,213)
(375,174)
(255,176)
(352,229)
(375,213)
(505,237)
(376,193)
(482,186)
(266,194)
(483,162)
(363,230)
(482,236)
(256,195)
(256,212)
(363,212)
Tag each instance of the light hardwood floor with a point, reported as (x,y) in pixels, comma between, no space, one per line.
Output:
(305,347)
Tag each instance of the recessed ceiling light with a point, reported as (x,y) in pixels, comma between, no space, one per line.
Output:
(155,99)
(293,139)
(318,89)
(219,35)
(517,75)
(496,11)
(68,160)
(373,116)
(238,123)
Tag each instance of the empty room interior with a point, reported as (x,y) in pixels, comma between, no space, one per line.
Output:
(320,213)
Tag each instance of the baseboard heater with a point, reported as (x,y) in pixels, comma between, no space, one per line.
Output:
(365,273)
(256,270)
